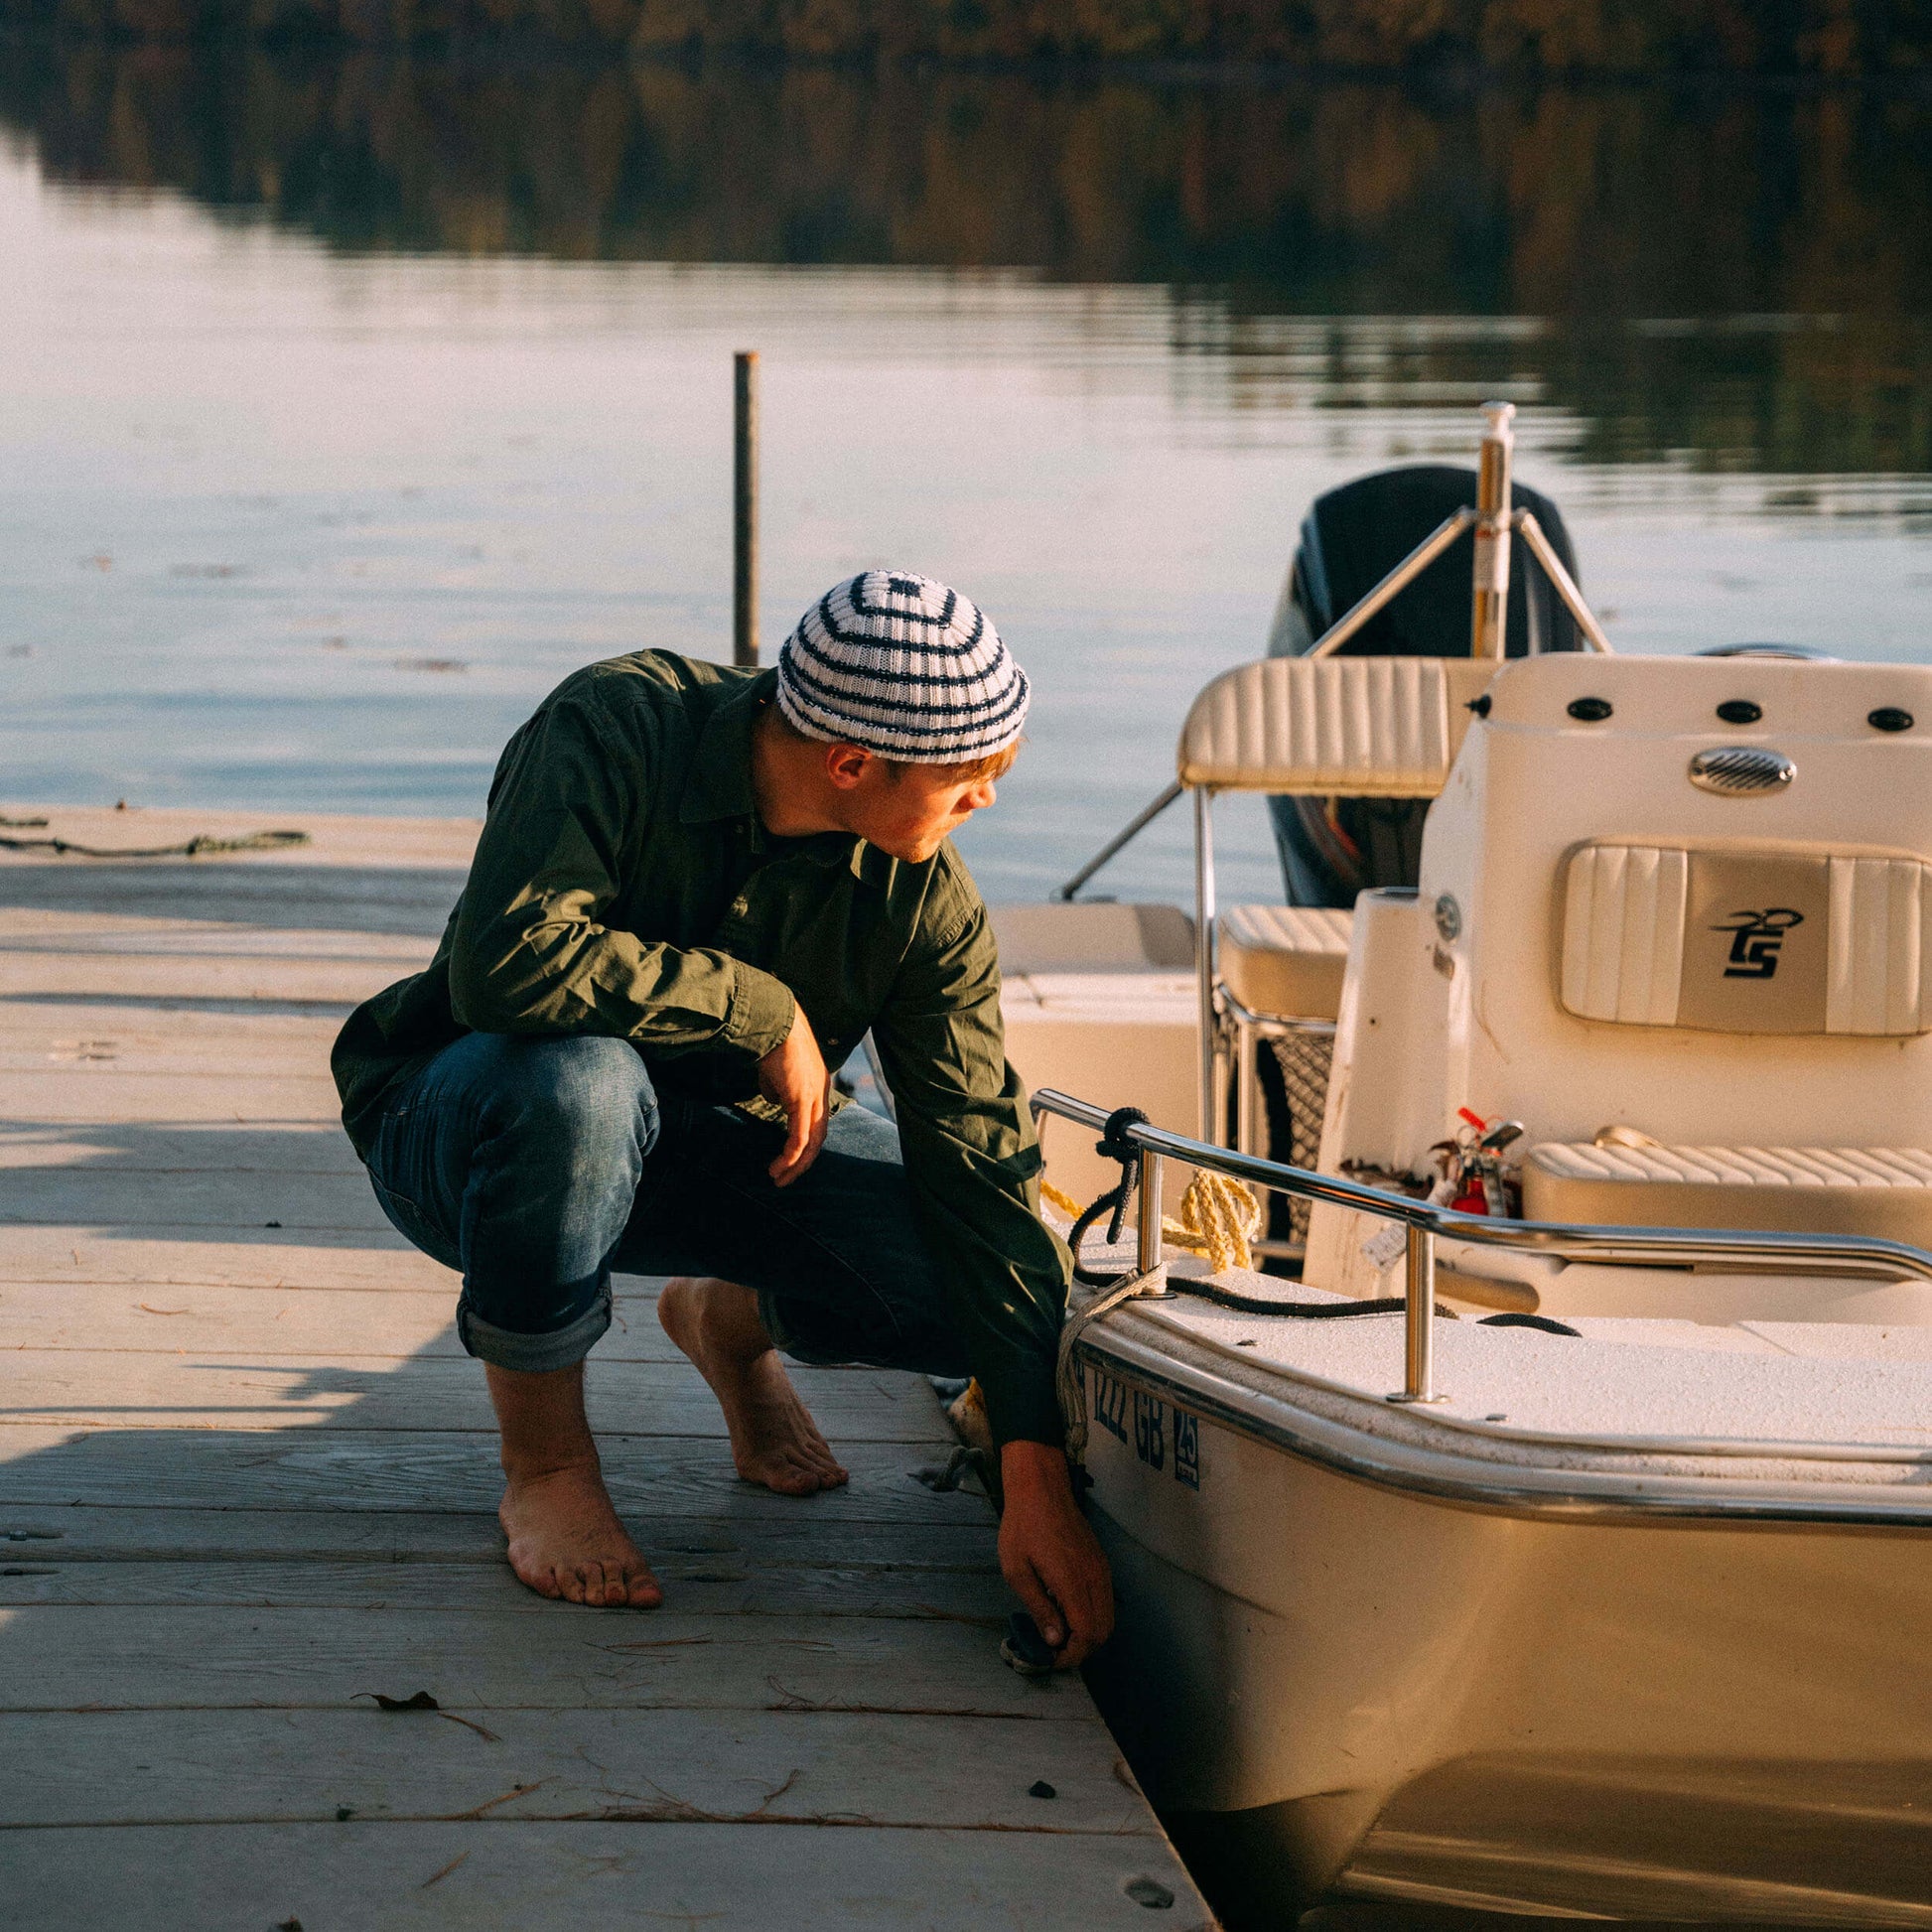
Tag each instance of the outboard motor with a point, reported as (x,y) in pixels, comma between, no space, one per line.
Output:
(1351,539)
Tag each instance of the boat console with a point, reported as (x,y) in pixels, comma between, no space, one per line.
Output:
(1701,994)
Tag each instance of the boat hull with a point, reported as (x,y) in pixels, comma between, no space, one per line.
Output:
(1543,1709)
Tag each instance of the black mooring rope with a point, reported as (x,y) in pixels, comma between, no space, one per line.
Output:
(193,848)
(1113,1145)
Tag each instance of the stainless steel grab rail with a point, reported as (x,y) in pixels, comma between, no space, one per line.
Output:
(1859,1255)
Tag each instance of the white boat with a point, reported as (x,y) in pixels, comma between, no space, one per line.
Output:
(1623,1614)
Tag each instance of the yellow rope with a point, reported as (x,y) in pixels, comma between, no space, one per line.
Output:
(1219,1217)
(1060,1198)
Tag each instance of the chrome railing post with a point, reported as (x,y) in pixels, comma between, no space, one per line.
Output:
(1146,1223)
(1212,1127)
(1246,1085)
(1419,1319)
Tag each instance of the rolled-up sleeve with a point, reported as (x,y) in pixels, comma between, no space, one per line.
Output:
(530,953)
(973,1159)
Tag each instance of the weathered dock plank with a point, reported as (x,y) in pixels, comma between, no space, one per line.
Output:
(55,1093)
(34,1536)
(165,1768)
(246,1472)
(249,1199)
(288,1147)
(244,1258)
(256,1390)
(280,1316)
(194,1658)
(629,1876)
(707,1585)
(420,1470)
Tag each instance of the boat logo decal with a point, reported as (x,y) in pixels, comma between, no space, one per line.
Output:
(1155,1430)
(1757,941)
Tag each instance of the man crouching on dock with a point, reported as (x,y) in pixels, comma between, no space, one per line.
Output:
(695,893)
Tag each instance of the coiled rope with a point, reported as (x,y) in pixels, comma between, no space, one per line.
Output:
(1218,1217)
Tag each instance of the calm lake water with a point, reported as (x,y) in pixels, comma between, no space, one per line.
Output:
(346,407)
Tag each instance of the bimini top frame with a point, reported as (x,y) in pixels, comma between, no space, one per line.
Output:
(1324,725)
(1495,524)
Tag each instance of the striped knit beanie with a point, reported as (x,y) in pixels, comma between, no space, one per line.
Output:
(905,667)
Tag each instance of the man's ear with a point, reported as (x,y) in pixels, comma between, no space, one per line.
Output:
(845,764)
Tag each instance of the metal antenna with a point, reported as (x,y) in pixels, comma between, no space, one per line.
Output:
(1491,605)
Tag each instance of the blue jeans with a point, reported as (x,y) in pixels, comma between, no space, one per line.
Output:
(537,1165)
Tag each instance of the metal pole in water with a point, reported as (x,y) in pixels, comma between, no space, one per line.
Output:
(1147,1225)
(1419,1324)
(1491,605)
(744,511)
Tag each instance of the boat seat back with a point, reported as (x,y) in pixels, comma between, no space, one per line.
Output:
(1883,1191)
(1746,937)
(1334,727)
(1689,894)
(1286,961)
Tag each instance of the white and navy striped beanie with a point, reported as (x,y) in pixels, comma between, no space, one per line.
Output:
(905,667)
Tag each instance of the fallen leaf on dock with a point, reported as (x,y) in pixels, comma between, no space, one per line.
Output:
(422,1701)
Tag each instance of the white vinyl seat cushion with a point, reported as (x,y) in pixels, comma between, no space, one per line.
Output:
(1333,726)
(1884,1192)
(1286,961)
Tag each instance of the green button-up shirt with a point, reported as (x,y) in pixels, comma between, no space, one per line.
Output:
(626,885)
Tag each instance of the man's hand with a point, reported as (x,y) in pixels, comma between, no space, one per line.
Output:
(793,1076)
(1049,1556)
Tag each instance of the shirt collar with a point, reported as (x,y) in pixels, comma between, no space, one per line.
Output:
(719,785)
(719,782)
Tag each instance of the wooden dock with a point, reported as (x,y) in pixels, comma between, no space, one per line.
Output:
(247,1484)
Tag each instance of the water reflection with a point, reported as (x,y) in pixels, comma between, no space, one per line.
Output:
(1742,277)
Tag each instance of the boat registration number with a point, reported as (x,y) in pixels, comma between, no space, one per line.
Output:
(1162,1436)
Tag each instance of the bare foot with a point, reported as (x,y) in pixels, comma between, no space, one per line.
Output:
(566,1541)
(775,1440)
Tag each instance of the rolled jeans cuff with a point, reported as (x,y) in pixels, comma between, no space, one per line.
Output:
(794,1338)
(534,1354)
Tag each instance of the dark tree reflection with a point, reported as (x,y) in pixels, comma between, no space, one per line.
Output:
(1742,275)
